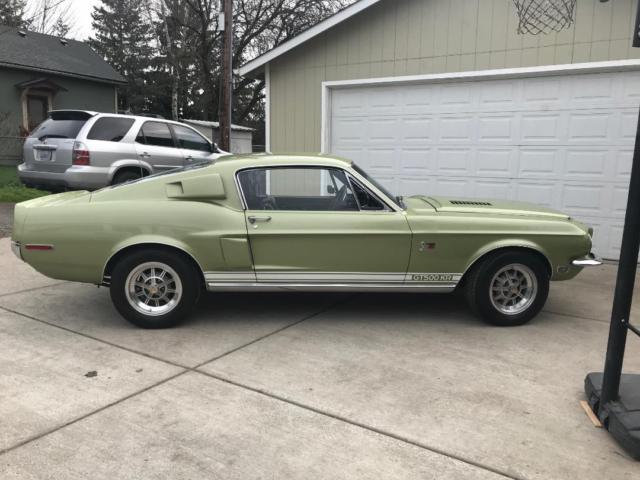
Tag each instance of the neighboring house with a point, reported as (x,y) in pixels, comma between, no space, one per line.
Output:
(39,73)
(444,97)
(241,137)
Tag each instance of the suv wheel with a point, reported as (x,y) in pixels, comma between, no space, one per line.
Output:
(508,289)
(154,288)
(125,176)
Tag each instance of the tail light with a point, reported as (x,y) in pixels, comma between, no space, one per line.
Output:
(80,154)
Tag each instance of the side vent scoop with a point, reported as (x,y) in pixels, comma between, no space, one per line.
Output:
(204,187)
(470,202)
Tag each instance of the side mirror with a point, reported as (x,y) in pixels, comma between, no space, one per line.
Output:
(331,190)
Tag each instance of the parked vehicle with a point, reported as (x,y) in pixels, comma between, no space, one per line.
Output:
(78,149)
(265,222)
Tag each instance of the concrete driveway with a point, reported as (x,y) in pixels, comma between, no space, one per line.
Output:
(301,386)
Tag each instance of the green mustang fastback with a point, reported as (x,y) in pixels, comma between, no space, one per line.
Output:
(278,222)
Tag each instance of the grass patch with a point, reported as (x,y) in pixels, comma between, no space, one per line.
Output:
(12,190)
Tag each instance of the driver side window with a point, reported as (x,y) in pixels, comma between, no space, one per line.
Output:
(297,188)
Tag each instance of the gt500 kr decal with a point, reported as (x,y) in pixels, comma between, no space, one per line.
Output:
(432,277)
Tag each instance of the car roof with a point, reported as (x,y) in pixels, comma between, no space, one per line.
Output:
(239,162)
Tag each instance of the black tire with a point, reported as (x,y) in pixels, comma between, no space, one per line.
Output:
(479,288)
(125,176)
(188,283)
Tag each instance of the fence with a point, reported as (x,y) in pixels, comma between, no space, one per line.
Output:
(10,150)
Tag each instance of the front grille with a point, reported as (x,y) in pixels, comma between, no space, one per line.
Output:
(469,202)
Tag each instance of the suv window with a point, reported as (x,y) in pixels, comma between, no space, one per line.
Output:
(111,129)
(190,139)
(155,133)
(297,188)
(51,128)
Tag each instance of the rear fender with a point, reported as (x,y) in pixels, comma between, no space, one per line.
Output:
(128,163)
(151,240)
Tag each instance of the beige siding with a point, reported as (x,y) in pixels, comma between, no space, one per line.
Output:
(409,37)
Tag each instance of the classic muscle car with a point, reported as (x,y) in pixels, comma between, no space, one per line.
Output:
(274,222)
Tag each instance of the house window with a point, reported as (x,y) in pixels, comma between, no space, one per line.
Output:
(37,109)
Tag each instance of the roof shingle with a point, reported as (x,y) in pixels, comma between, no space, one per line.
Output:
(46,53)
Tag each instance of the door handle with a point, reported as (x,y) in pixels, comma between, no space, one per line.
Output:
(145,155)
(189,158)
(253,219)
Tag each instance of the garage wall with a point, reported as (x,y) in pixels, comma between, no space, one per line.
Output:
(407,37)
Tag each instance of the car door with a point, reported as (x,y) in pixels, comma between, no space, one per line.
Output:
(193,145)
(305,226)
(155,145)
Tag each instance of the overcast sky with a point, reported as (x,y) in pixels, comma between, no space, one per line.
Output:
(81,15)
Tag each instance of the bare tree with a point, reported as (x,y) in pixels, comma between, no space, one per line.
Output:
(52,17)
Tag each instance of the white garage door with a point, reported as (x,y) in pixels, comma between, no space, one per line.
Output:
(561,141)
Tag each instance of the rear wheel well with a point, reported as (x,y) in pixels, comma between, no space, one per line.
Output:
(115,258)
(498,251)
(130,168)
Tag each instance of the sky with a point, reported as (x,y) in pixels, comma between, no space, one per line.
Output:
(80,12)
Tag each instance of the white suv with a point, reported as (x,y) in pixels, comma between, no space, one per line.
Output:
(79,149)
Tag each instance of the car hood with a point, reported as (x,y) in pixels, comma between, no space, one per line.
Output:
(490,207)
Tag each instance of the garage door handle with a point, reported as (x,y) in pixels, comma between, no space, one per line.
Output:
(253,219)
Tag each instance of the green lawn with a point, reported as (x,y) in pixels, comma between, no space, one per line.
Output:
(11,190)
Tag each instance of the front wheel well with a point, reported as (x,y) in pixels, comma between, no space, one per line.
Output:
(498,251)
(116,257)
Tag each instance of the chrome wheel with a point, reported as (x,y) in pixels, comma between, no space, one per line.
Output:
(513,289)
(153,288)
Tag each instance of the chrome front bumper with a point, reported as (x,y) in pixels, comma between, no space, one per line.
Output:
(587,261)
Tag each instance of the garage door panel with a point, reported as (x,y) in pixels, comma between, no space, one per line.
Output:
(496,162)
(563,141)
(418,161)
(486,188)
(454,161)
(539,163)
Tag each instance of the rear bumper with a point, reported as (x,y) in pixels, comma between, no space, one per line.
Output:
(589,260)
(76,177)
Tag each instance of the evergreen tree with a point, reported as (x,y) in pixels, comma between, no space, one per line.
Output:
(123,36)
(12,13)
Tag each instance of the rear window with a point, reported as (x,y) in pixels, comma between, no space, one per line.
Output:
(111,129)
(51,128)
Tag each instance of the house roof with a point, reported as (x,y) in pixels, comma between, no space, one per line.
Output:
(204,123)
(24,50)
(256,65)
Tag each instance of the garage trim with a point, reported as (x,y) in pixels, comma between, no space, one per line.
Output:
(504,73)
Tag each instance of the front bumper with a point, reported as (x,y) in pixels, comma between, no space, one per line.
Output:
(75,177)
(589,260)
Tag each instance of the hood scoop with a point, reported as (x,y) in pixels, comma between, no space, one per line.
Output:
(470,202)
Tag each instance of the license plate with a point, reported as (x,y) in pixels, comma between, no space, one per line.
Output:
(43,155)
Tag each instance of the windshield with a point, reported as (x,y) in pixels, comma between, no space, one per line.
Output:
(372,181)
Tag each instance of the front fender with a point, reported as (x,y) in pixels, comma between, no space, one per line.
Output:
(508,243)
